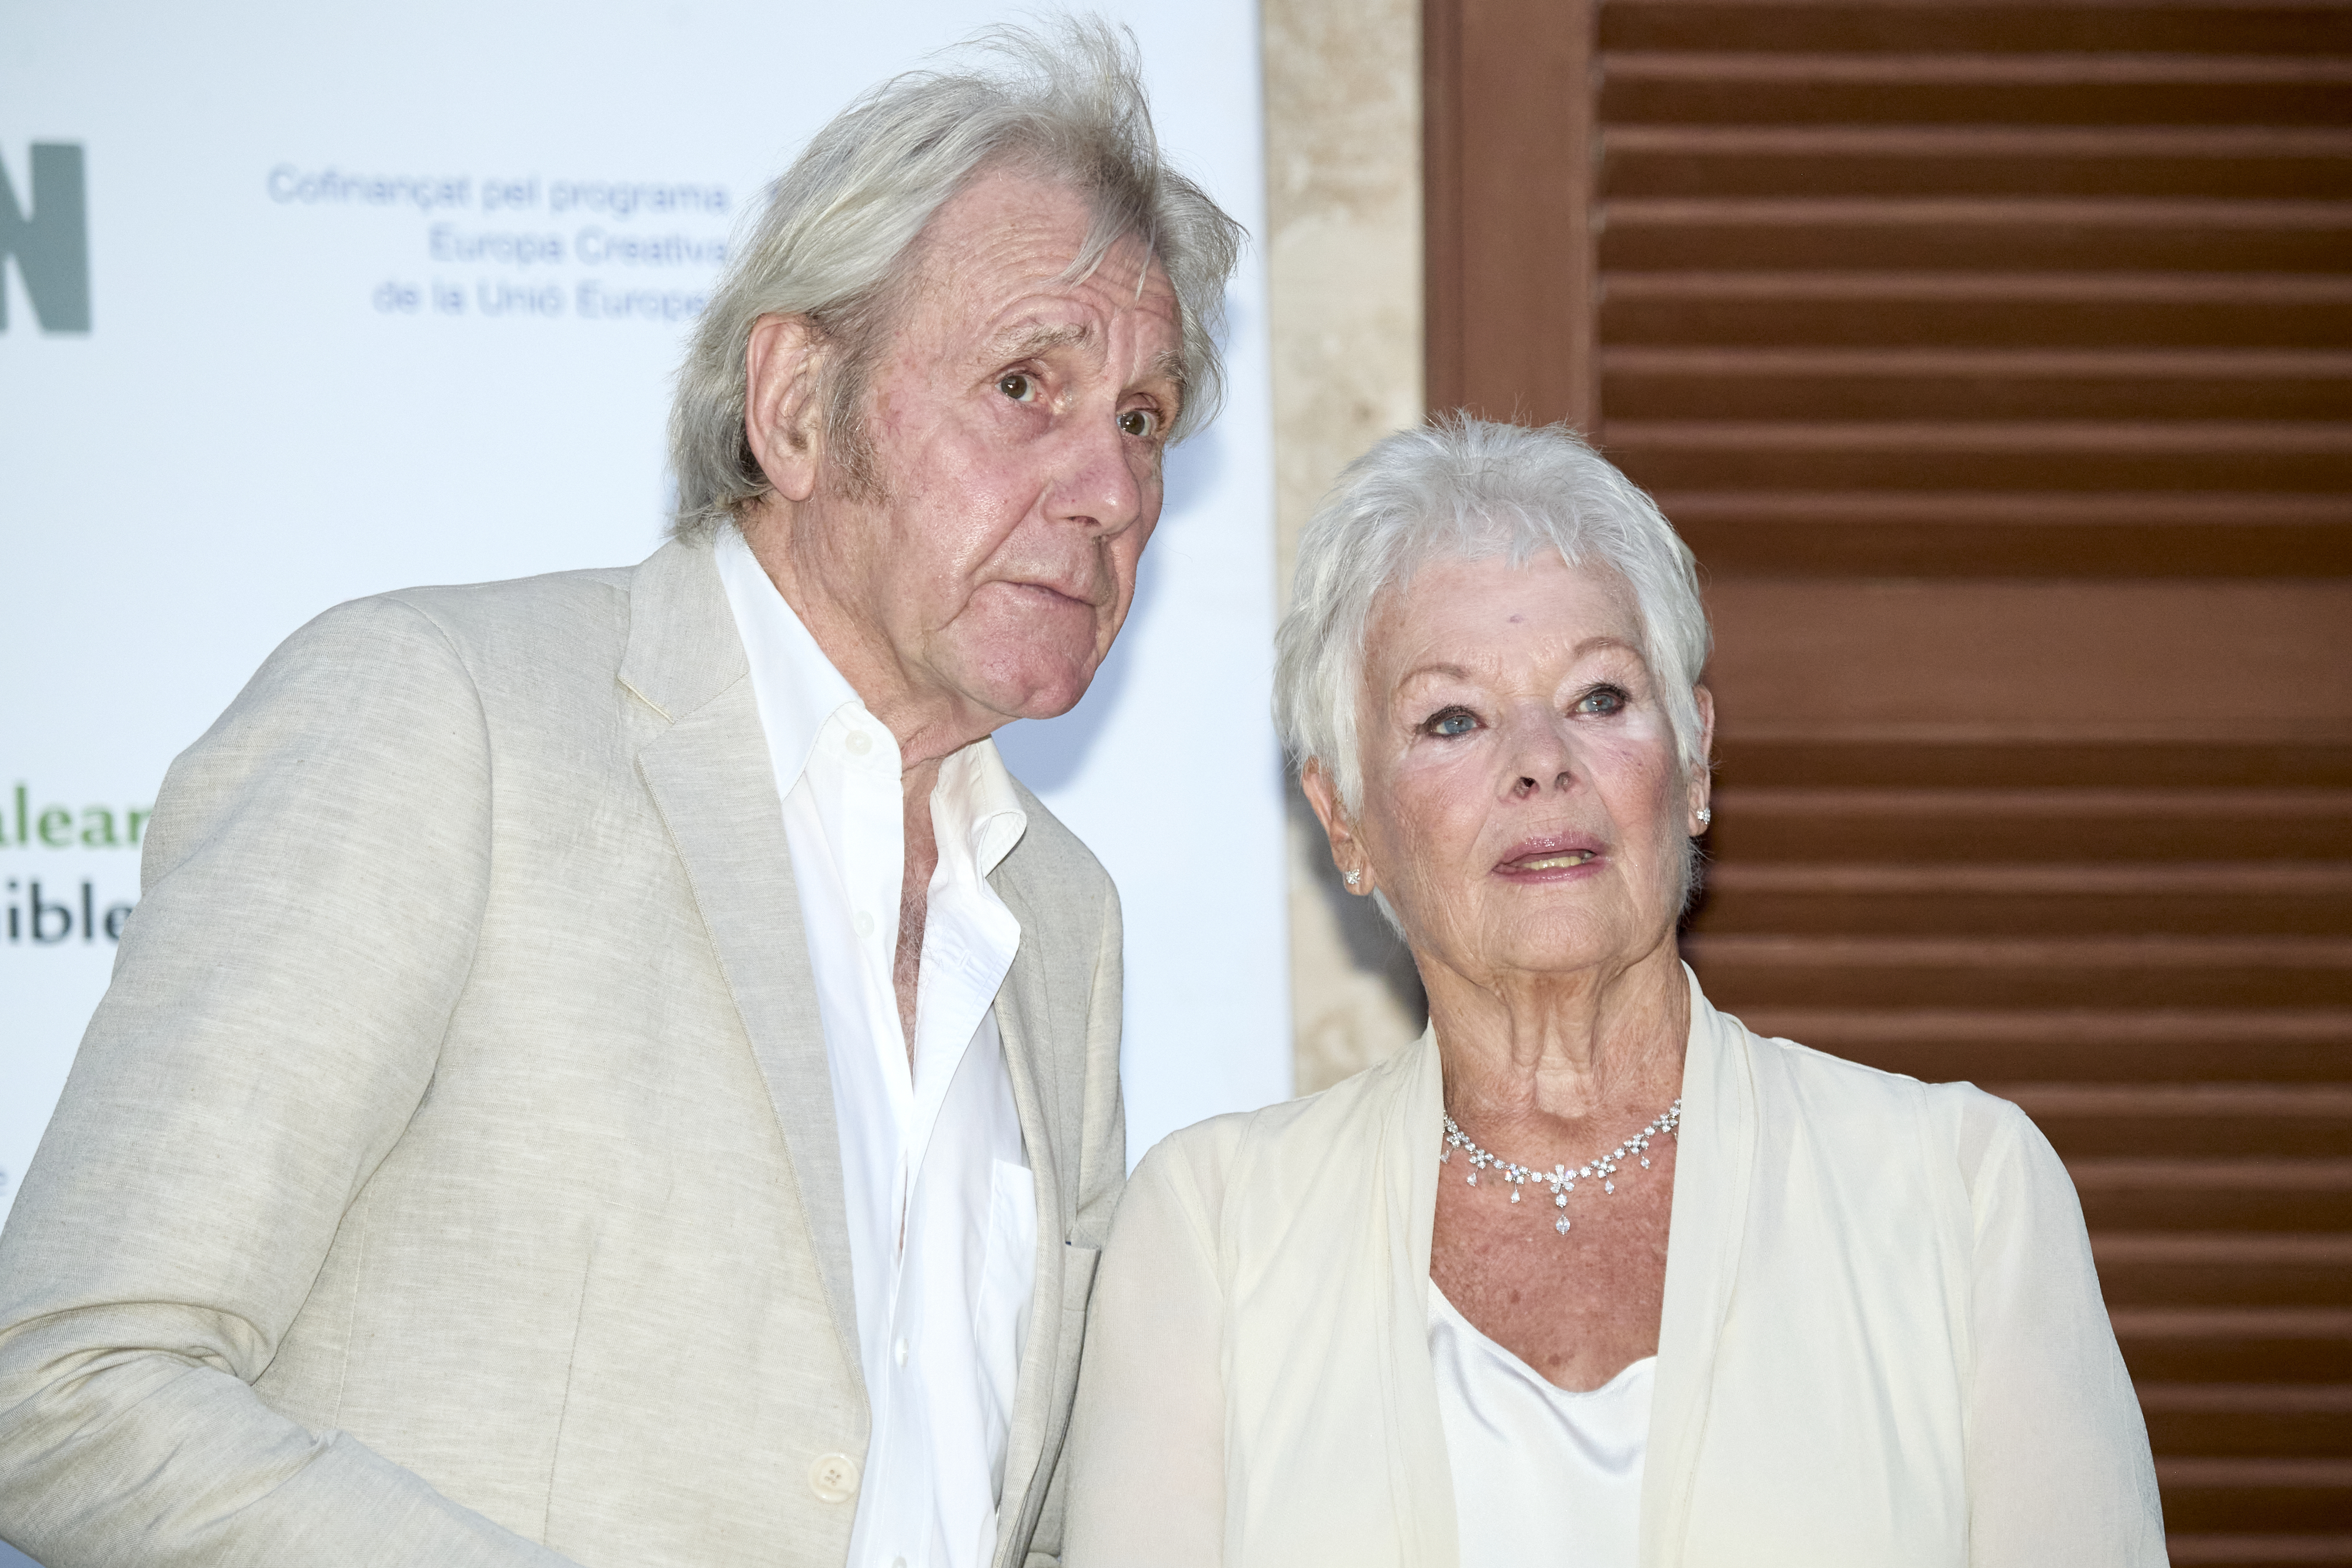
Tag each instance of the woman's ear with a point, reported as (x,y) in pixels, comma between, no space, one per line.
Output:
(1347,852)
(782,406)
(1703,775)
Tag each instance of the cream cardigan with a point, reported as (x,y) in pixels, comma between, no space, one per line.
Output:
(1882,1342)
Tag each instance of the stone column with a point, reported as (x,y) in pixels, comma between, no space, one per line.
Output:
(1344,249)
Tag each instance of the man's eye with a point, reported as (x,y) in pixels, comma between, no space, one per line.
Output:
(1140,423)
(1017,386)
(1452,721)
(1602,700)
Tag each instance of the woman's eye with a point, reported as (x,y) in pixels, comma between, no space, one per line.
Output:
(1602,700)
(1017,386)
(1452,721)
(1140,423)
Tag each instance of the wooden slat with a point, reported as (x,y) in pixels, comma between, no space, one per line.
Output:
(1944,384)
(1977,972)
(2141,234)
(2083,1046)
(2022,90)
(2252,898)
(1719,161)
(1778,26)
(1702,307)
(2134,534)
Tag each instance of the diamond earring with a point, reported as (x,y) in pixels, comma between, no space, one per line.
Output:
(1355,879)
(1705,815)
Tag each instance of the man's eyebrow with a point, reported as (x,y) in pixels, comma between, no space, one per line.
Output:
(1035,338)
(1025,342)
(1168,365)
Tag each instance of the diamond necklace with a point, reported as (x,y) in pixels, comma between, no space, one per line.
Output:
(1562,1180)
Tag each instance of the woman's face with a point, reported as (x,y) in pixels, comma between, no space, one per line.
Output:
(1524,808)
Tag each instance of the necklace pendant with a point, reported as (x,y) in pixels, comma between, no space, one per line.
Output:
(1515,1195)
(1560,1225)
(1471,1178)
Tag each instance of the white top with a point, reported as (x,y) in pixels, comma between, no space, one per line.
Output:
(941,1204)
(1541,1476)
(1882,1340)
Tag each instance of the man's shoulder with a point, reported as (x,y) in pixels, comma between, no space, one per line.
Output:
(558,607)
(1053,860)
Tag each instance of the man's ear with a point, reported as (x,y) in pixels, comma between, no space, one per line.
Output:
(1346,850)
(783,414)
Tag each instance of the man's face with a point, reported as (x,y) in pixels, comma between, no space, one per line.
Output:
(1013,424)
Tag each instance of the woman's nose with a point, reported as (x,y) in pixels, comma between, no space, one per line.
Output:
(1541,756)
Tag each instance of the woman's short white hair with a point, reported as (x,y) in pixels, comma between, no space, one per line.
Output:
(839,228)
(1461,488)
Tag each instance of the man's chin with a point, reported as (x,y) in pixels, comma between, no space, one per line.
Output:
(1032,691)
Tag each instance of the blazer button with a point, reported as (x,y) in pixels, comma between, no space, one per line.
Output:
(834,1477)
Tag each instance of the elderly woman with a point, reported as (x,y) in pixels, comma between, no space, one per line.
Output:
(1590,1275)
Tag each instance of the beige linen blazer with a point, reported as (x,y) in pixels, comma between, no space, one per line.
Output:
(1882,1343)
(449,1176)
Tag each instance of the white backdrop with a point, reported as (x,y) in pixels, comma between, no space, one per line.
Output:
(390,296)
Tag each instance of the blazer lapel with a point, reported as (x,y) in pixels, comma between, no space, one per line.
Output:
(1715,1160)
(711,779)
(1024,1022)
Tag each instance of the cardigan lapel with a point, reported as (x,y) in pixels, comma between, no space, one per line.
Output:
(1715,1160)
(711,779)
(1421,1477)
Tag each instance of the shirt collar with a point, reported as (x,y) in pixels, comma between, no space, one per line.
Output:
(975,793)
(794,707)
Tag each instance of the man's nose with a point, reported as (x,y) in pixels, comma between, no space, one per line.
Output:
(1095,485)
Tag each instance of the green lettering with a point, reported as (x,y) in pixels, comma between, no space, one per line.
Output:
(98,828)
(21,836)
(137,821)
(57,827)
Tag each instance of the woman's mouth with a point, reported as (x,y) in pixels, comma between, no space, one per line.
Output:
(1552,855)
(1553,862)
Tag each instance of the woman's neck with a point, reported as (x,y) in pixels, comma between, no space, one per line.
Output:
(1562,1047)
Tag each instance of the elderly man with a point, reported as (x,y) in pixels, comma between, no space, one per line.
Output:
(610,1068)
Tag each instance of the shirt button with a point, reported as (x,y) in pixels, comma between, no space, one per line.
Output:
(865,924)
(859,743)
(897,1563)
(834,1477)
(899,1349)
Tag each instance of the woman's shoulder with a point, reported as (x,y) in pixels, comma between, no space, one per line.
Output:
(1289,1139)
(1848,1096)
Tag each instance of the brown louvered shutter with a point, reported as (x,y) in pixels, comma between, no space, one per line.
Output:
(1996,359)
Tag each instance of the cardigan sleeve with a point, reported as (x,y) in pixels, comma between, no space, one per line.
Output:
(2058,1464)
(1147,1452)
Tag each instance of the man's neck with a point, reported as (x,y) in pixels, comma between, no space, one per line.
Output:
(929,724)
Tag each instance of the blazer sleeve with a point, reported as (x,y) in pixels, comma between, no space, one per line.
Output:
(1147,1461)
(2058,1463)
(314,879)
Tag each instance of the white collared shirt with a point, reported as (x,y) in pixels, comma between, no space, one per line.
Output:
(941,1203)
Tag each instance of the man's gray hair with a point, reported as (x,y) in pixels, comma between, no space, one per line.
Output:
(839,228)
(1460,489)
